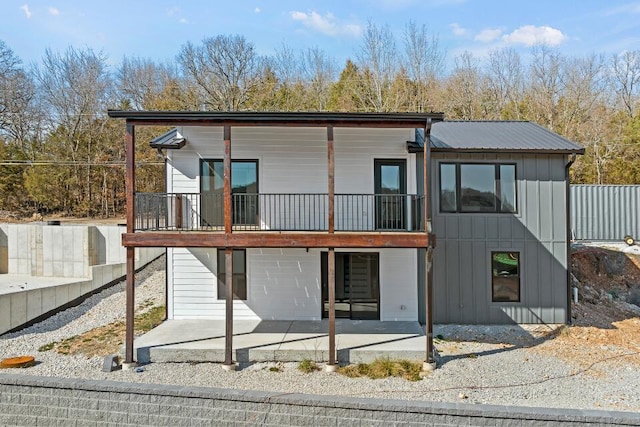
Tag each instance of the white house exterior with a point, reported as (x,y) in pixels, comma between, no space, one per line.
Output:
(325,215)
(285,283)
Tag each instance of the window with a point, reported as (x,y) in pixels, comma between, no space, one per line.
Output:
(390,187)
(505,276)
(477,188)
(239,274)
(244,188)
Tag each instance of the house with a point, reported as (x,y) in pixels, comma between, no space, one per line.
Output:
(304,216)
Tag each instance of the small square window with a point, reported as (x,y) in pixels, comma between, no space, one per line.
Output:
(505,276)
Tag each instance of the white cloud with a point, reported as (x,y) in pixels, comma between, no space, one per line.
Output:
(530,35)
(326,24)
(257,10)
(633,8)
(53,11)
(27,12)
(457,29)
(173,11)
(488,35)
(183,21)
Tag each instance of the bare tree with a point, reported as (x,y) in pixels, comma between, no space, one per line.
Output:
(546,86)
(225,68)
(380,62)
(74,87)
(424,63)
(505,82)
(626,79)
(463,91)
(141,82)
(318,73)
(19,117)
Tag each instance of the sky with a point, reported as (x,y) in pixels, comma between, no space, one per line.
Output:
(157,29)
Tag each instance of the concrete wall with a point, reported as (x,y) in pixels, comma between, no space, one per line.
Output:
(88,257)
(4,250)
(27,401)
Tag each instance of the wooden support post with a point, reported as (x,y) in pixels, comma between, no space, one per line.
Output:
(331,179)
(331,264)
(130,184)
(228,212)
(428,291)
(228,334)
(331,278)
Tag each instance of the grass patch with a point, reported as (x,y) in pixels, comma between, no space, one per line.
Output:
(384,368)
(47,347)
(106,339)
(275,369)
(307,366)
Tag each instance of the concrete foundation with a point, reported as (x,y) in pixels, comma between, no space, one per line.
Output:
(45,267)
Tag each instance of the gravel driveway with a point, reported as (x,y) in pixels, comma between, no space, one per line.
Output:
(477,365)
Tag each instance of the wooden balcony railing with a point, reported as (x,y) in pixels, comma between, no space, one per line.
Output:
(279,212)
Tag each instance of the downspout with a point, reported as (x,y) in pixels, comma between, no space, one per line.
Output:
(567,179)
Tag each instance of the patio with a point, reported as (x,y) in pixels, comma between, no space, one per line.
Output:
(280,341)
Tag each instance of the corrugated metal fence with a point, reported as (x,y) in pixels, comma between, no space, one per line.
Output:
(605,212)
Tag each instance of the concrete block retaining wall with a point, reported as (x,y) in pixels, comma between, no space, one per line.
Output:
(89,256)
(27,400)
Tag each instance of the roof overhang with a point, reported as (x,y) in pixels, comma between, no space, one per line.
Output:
(504,150)
(171,140)
(302,119)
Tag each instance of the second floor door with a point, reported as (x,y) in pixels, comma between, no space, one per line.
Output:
(390,188)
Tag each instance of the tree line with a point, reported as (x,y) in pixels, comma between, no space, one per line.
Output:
(60,153)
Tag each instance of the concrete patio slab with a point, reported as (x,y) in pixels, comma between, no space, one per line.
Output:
(283,341)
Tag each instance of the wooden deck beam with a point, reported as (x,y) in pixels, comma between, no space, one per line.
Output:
(196,239)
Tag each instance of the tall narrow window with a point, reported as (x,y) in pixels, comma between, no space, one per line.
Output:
(505,276)
(390,188)
(239,274)
(244,188)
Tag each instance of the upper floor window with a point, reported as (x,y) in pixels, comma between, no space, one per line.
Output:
(244,189)
(478,187)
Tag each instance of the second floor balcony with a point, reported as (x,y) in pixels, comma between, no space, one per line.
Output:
(279,212)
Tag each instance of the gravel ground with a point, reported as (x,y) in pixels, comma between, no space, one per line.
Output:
(472,369)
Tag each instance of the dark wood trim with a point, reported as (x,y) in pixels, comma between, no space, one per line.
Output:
(331,285)
(228,334)
(130,177)
(289,119)
(429,356)
(331,180)
(130,304)
(194,239)
(228,215)
(130,183)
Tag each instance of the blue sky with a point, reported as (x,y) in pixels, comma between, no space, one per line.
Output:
(157,29)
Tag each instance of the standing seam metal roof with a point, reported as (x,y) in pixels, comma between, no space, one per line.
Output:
(498,135)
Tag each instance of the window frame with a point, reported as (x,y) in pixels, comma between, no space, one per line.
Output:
(201,176)
(221,277)
(493,276)
(497,188)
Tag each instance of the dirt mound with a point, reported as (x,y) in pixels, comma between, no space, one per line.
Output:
(608,283)
(606,317)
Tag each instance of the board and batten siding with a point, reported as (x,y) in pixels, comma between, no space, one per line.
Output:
(285,283)
(462,258)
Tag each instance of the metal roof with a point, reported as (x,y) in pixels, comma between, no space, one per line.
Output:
(480,136)
(254,118)
(169,140)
